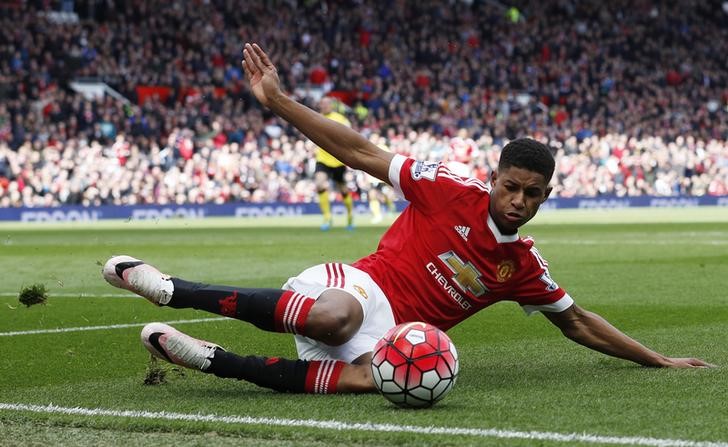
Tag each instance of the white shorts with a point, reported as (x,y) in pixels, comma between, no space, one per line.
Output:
(378,317)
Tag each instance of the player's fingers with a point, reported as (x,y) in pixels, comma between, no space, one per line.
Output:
(254,58)
(246,58)
(246,65)
(706,365)
(697,363)
(249,62)
(246,70)
(263,56)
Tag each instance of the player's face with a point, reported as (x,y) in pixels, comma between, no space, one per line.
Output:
(516,195)
(326,106)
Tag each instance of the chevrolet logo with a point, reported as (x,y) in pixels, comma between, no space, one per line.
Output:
(465,274)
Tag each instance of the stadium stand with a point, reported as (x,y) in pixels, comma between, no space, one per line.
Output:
(132,102)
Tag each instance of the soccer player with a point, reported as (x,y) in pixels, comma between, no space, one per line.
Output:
(329,168)
(378,191)
(452,252)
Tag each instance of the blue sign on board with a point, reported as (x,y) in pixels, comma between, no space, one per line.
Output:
(252,210)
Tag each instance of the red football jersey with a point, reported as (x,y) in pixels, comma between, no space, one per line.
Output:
(444,258)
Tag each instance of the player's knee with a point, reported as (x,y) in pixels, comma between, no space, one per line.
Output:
(333,327)
(335,318)
(321,181)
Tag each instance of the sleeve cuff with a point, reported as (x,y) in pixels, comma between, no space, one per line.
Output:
(559,306)
(395,168)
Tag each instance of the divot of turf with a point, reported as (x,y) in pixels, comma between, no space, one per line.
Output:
(156,372)
(34,294)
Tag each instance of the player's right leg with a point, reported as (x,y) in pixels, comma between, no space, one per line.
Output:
(375,206)
(297,376)
(338,175)
(348,200)
(332,318)
(321,180)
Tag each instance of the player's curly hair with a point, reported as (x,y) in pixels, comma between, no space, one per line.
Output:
(526,153)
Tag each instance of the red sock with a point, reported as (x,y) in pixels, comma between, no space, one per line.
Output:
(323,376)
(292,376)
(269,309)
(291,312)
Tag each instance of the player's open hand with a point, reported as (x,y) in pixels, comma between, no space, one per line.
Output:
(261,73)
(686,363)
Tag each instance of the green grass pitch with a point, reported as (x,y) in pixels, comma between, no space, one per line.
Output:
(521,382)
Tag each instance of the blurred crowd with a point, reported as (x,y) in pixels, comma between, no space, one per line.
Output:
(632,94)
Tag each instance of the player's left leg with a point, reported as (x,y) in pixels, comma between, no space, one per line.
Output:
(321,180)
(389,198)
(348,200)
(333,317)
(340,180)
(295,376)
(375,206)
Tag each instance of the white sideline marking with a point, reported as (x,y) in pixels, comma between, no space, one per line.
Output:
(79,295)
(365,426)
(101,328)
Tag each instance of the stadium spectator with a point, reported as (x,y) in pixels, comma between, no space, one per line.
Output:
(579,75)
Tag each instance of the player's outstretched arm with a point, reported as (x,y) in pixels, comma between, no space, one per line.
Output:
(348,146)
(593,331)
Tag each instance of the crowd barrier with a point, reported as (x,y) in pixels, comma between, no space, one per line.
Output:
(253,210)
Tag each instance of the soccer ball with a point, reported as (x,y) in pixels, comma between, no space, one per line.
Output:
(414,365)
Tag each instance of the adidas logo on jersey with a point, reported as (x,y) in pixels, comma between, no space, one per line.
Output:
(463,231)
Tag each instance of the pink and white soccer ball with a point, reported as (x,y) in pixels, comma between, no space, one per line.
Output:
(415,365)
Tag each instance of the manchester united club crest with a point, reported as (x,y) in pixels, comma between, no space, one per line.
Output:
(361,291)
(505,270)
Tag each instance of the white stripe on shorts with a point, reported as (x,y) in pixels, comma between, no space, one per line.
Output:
(335,274)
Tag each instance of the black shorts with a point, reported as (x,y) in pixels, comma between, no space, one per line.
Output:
(335,174)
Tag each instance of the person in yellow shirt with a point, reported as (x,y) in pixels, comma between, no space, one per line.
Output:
(329,168)
(379,191)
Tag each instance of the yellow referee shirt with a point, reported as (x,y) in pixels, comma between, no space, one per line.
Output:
(324,157)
